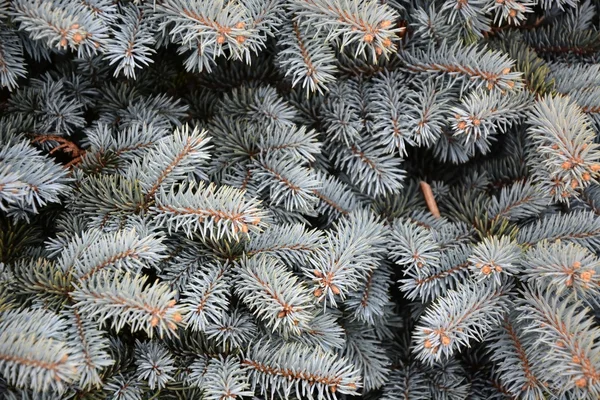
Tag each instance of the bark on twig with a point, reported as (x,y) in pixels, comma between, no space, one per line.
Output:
(430,199)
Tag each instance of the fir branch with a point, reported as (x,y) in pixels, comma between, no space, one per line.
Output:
(378,172)
(34,352)
(92,348)
(335,197)
(511,349)
(62,24)
(482,114)
(28,180)
(93,252)
(240,144)
(293,244)
(414,248)
(581,227)
(154,364)
(11,60)
(367,354)
(567,156)
(213,30)
(458,317)
(288,184)
(304,57)
(281,369)
(449,272)
(42,279)
(406,383)
(102,9)
(209,211)
(569,77)
(172,158)
(206,297)
(322,331)
(225,380)
(483,67)
(123,387)
(104,198)
(563,268)
(341,114)
(124,145)
(536,72)
(518,201)
(570,358)
(368,303)
(131,41)
(561,40)
(124,299)
(496,257)
(274,294)
(388,104)
(234,330)
(511,11)
(369,25)
(353,249)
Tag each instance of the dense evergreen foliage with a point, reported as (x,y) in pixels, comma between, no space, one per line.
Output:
(299,199)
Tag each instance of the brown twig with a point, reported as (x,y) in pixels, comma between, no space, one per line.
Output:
(430,199)
(64,145)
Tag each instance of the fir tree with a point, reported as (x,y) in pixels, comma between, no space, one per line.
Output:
(299,199)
